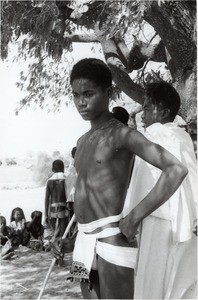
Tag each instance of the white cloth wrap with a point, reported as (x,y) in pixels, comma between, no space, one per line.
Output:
(87,244)
(181,207)
(117,255)
(167,258)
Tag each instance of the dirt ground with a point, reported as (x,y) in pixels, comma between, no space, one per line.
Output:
(22,277)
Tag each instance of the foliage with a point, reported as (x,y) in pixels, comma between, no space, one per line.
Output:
(47,84)
(42,167)
(43,30)
(48,23)
(10,162)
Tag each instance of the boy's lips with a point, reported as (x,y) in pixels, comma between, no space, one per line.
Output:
(82,112)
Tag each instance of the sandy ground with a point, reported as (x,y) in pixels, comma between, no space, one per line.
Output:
(22,277)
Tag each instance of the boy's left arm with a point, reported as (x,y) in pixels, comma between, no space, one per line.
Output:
(173,173)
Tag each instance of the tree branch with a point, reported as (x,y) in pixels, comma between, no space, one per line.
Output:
(119,71)
(83,38)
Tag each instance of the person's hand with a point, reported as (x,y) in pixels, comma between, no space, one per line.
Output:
(70,206)
(129,228)
(61,246)
(57,248)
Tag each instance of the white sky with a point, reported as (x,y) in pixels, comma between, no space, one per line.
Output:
(36,130)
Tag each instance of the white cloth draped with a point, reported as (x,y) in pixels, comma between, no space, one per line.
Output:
(167,257)
(181,207)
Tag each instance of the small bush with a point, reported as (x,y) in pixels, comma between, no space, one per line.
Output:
(10,162)
(42,167)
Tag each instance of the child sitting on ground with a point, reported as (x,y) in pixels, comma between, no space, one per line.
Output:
(20,233)
(5,242)
(36,229)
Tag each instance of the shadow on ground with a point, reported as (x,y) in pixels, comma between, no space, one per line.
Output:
(22,277)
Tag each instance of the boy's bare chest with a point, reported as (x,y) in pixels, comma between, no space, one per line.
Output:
(94,149)
(97,147)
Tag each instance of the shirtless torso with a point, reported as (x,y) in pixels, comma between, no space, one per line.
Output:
(101,165)
(103,162)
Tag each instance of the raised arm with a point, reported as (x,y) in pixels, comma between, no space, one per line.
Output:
(173,173)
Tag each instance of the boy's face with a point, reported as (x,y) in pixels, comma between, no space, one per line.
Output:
(151,113)
(90,99)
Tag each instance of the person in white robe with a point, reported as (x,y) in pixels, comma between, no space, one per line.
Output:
(167,258)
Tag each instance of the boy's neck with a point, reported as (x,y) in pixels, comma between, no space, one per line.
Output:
(103,118)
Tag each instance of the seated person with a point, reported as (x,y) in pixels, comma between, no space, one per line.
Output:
(36,230)
(5,243)
(20,235)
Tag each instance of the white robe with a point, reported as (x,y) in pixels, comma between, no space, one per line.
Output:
(167,241)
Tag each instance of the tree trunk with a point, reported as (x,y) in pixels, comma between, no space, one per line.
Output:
(175,21)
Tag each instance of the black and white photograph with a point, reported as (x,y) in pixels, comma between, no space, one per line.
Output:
(98,149)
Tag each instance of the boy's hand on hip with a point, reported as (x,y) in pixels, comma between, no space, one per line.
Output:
(129,228)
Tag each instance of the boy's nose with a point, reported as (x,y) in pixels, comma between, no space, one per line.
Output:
(82,101)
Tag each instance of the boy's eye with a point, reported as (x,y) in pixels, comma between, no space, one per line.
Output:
(75,95)
(146,108)
(88,94)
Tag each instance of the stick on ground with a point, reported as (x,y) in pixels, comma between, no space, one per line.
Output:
(54,259)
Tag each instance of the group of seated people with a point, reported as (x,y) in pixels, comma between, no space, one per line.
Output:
(30,234)
(20,232)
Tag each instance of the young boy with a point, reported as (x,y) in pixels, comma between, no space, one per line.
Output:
(55,200)
(167,259)
(103,161)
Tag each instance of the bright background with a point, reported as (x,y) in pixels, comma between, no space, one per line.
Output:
(37,130)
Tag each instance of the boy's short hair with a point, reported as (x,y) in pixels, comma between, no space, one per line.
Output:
(58,165)
(121,114)
(165,94)
(92,69)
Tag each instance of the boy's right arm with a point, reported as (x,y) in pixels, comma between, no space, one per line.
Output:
(173,173)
